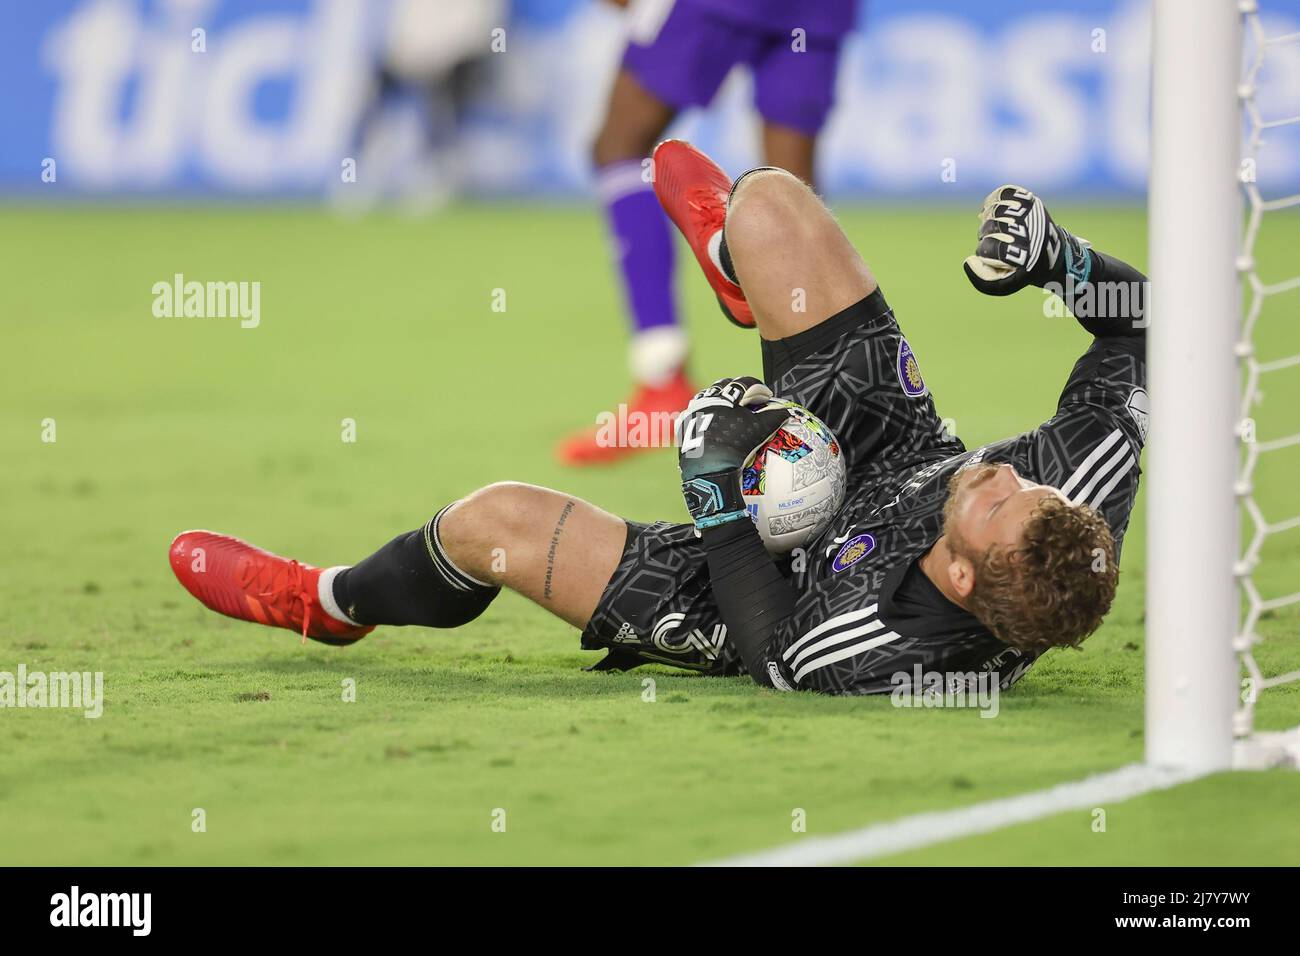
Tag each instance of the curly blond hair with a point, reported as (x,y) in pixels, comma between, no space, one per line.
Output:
(1055,586)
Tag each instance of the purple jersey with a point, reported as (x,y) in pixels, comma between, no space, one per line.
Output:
(826,17)
(682,50)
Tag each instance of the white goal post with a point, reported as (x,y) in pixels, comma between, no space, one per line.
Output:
(1202,608)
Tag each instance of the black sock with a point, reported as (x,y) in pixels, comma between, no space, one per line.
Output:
(724,258)
(748,172)
(411,580)
(724,254)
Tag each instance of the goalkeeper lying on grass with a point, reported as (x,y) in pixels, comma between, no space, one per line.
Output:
(952,560)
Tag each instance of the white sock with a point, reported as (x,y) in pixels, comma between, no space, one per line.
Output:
(656,354)
(714,246)
(325,592)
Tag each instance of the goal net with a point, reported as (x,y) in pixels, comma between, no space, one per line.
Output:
(1262,356)
(1222,592)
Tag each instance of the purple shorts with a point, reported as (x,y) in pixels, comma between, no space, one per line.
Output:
(695,47)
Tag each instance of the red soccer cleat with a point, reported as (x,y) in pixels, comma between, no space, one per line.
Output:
(650,414)
(693,191)
(236,579)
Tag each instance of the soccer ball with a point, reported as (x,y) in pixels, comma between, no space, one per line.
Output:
(794,482)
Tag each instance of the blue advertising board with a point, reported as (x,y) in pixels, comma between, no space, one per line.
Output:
(217,98)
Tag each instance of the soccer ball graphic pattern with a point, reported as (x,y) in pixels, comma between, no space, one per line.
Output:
(794,482)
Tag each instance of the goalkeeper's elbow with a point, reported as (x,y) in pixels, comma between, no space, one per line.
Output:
(768,673)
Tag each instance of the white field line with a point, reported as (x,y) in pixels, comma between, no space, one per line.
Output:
(924,829)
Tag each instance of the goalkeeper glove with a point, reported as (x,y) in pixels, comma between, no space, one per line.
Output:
(1019,245)
(718,431)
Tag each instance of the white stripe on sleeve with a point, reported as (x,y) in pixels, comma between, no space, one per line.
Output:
(1100,496)
(1100,474)
(1082,471)
(839,637)
(843,653)
(840,620)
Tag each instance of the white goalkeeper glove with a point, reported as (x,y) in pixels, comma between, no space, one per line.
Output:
(1019,245)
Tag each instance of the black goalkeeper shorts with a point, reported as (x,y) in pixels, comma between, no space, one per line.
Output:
(857,373)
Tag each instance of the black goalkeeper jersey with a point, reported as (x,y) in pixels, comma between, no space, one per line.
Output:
(851,631)
(857,620)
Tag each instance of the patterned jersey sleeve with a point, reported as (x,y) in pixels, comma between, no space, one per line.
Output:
(855,652)
(843,653)
(1090,448)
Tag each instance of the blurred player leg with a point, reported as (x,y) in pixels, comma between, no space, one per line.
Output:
(407,138)
(794,89)
(634,121)
(790,149)
(815,270)
(677,56)
(795,60)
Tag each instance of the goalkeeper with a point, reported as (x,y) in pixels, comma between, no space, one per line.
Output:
(943,558)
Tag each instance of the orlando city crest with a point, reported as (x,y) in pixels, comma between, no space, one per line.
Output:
(854,550)
(909,371)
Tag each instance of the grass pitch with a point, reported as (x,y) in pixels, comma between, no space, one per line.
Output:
(167,424)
